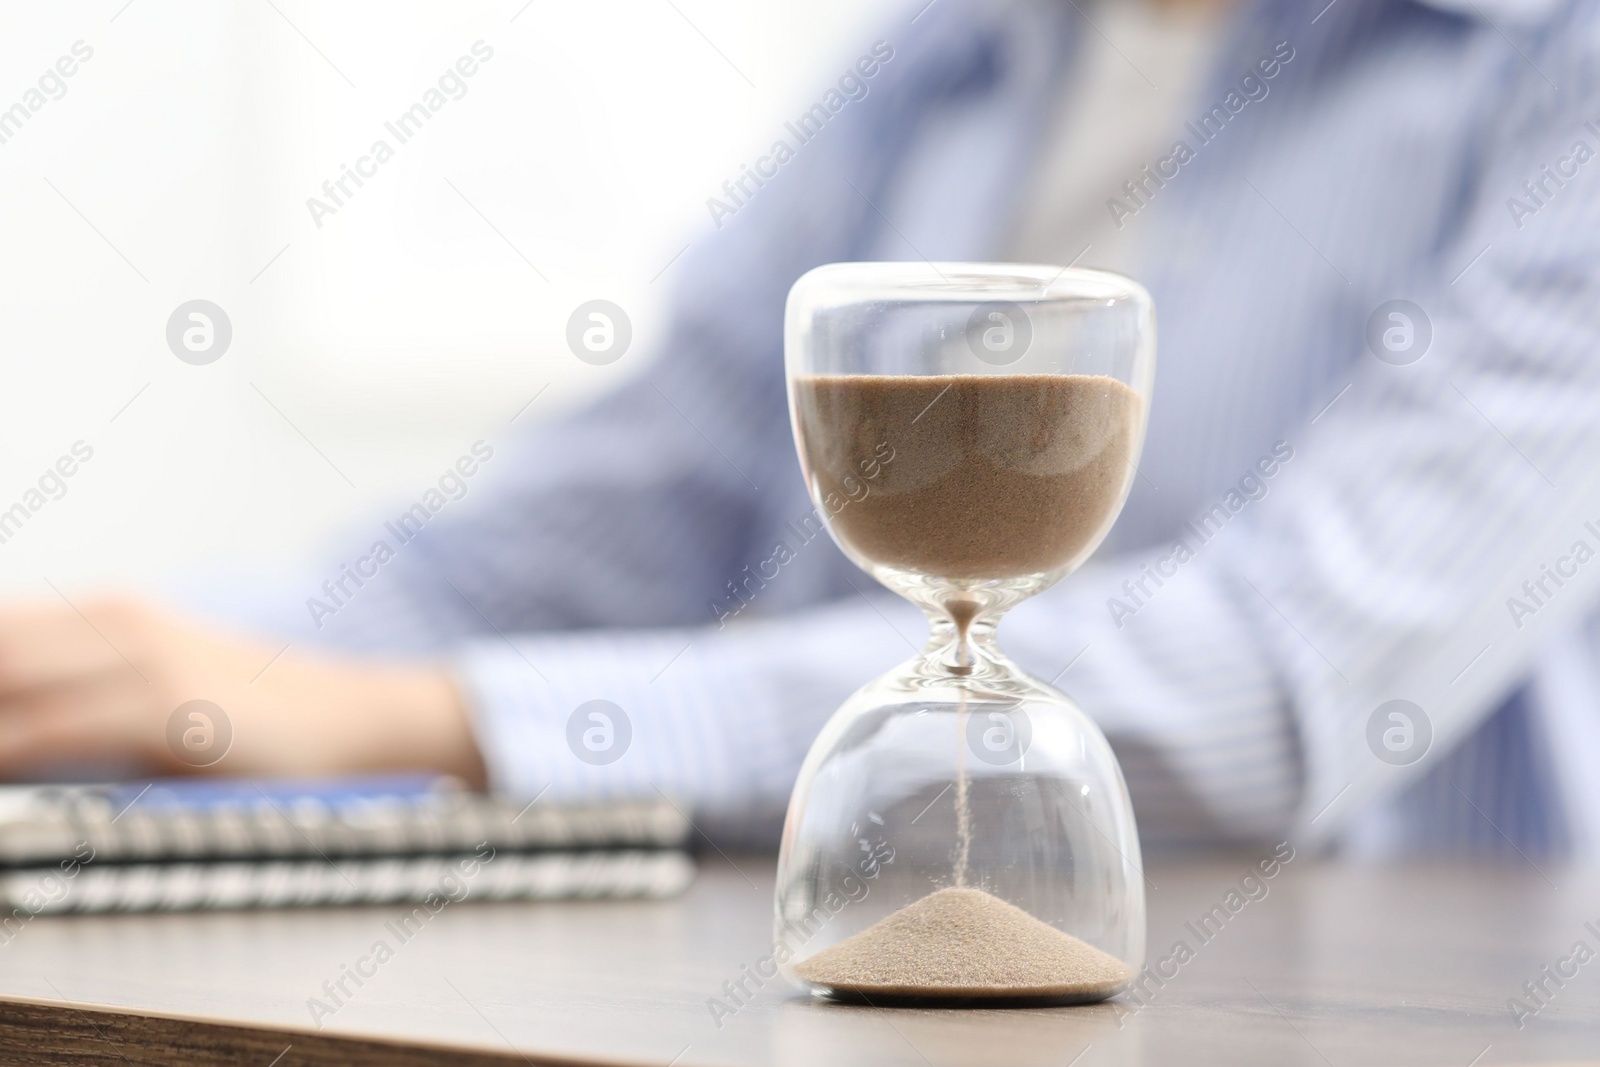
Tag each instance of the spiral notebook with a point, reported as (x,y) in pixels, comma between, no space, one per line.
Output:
(190,843)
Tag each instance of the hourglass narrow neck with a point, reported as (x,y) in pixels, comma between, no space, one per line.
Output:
(961,645)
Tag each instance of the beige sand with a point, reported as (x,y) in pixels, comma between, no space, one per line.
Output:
(993,475)
(962,942)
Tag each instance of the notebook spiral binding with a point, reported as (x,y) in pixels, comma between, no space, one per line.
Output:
(187,845)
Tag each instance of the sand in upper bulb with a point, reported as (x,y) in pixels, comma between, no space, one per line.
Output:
(993,476)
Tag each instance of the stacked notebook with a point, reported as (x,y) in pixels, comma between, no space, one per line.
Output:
(238,844)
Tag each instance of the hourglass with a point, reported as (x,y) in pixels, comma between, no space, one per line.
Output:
(960,831)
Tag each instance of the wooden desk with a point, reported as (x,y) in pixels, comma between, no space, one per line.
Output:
(1336,966)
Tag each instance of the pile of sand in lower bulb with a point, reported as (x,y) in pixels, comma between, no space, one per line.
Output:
(963,943)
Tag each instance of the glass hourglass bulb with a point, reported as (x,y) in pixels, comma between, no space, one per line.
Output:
(961,831)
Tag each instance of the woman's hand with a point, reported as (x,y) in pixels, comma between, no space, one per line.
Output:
(101,681)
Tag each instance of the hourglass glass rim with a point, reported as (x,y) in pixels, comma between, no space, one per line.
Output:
(964,282)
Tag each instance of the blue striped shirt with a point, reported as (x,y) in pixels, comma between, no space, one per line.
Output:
(1408,151)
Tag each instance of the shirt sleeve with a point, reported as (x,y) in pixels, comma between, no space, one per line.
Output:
(722,718)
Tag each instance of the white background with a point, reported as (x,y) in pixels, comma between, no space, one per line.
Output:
(178,164)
